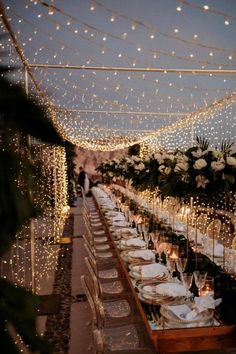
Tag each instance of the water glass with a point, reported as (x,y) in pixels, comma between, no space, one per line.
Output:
(208,288)
(200,279)
(187,280)
(170,263)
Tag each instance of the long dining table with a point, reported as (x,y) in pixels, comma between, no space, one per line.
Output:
(174,340)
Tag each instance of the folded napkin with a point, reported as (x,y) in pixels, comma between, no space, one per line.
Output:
(167,289)
(153,270)
(147,255)
(134,242)
(180,311)
(202,304)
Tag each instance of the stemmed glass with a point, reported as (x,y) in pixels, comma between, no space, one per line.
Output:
(170,266)
(187,280)
(146,234)
(160,247)
(200,279)
(181,265)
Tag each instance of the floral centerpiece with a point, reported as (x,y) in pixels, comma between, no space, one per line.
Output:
(203,172)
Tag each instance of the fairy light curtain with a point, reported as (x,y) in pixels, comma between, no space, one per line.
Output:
(163,34)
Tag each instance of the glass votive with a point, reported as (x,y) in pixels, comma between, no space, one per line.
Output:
(208,288)
(174,252)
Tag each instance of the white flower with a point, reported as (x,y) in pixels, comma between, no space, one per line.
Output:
(164,170)
(217,154)
(199,164)
(230,160)
(140,166)
(171,157)
(167,170)
(201,181)
(218,165)
(181,166)
(197,153)
(159,158)
(182,158)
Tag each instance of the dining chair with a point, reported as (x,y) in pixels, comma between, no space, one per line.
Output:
(107,288)
(131,338)
(108,312)
(107,270)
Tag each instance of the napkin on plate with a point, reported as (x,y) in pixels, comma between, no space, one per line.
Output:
(134,242)
(152,270)
(180,311)
(203,303)
(147,255)
(167,289)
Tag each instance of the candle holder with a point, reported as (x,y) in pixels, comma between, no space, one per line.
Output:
(174,252)
(208,288)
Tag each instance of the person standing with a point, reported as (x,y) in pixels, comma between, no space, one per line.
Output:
(81,177)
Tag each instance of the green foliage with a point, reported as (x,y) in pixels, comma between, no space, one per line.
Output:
(19,117)
(19,308)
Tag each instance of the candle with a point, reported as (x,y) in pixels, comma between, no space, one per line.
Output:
(208,288)
(174,252)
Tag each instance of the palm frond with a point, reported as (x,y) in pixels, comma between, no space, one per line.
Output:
(226,146)
(203,143)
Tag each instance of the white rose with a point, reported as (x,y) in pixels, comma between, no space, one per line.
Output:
(218,165)
(181,166)
(140,166)
(199,164)
(230,160)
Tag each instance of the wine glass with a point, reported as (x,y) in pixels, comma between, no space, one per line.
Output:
(181,265)
(200,279)
(187,280)
(170,263)
(159,246)
(146,235)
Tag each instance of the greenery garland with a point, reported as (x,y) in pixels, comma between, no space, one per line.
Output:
(225,285)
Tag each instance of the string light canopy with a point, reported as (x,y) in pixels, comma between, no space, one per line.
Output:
(110,80)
